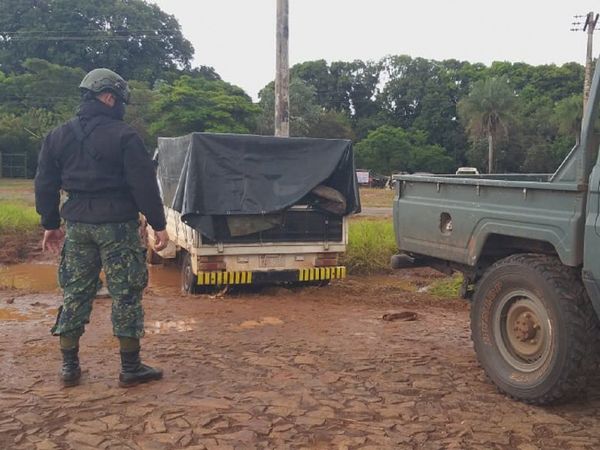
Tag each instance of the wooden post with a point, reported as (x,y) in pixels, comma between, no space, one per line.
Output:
(282,77)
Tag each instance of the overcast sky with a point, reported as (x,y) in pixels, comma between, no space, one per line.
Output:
(237,37)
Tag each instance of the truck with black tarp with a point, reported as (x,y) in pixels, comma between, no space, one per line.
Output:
(245,209)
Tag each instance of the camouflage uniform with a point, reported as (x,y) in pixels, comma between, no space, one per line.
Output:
(117,248)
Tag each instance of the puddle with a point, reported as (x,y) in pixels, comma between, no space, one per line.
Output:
(30,277)
(42,277)
(167,326)
(12,314)
(164,278)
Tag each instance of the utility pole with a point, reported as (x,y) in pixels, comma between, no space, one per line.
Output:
(589,26)
(282,77)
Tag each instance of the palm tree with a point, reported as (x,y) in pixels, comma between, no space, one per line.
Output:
(568,114)
(486,111)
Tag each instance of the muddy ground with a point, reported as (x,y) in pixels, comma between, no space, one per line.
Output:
(279,368)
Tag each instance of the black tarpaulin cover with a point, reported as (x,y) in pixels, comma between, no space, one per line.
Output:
(203,175)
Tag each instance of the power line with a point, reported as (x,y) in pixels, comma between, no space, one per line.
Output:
(82,38)
(85,35)
(128,31)
(589,26)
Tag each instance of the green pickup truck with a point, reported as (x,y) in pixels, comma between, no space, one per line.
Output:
(528,247)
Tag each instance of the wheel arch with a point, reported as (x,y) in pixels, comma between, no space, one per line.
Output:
(496,240)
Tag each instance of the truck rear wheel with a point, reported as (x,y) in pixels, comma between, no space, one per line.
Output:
(152,257)
(534,328)
(189,282)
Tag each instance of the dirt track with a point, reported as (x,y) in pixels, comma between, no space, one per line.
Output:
(311,368)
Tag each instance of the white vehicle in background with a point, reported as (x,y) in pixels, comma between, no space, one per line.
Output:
(467,171)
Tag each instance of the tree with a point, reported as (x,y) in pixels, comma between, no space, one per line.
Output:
(423,94)
(332,125)
(140,113)
(304,110)
(199,104)
(23,134)
(403,93)
(486,111)
(430,158)
(317,75)
(555,82)
(133,37)
(568,114)
(42,85)
(390,149)
(348,87)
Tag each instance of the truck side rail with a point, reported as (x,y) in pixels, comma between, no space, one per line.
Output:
(512,181)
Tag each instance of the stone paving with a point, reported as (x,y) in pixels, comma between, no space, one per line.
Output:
(311,368)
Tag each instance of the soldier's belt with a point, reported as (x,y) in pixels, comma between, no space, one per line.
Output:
(271,276)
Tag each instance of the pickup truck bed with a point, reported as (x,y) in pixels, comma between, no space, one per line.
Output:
(460,219)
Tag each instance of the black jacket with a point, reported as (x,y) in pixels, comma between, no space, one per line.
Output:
(102,164)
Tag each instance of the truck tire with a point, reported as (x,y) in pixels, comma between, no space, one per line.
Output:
(534,328)
(152,257)
(189,283)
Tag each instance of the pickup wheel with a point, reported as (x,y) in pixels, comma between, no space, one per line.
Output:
(189,283)
(534,328)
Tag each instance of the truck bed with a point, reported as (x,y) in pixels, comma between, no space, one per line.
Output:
(296,225)
(456,218)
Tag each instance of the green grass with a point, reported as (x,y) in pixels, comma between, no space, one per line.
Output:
(376,198)
(446,288)
(16,190)
(371,243)
(17,217)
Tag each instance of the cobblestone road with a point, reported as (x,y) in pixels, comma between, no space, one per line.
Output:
(311,368)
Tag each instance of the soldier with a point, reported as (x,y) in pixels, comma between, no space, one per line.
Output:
(102,165)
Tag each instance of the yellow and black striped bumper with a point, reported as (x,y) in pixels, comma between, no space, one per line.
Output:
(271,276)
(222,278)
(322,273)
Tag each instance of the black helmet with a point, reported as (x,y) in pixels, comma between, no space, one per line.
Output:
(100,80)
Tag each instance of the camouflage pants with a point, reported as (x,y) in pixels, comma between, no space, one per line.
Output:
(88,248)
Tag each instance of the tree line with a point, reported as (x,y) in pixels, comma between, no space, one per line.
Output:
(405,114)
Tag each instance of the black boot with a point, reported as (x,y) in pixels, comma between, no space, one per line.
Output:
(133,372)
(71,372)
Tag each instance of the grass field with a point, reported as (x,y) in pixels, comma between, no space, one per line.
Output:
(376,198)
(17,213)
(371,243)
(17,216)
(16,190)
(22,190)
(447,288)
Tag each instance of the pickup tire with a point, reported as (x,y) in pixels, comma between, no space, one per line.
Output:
(534,328)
